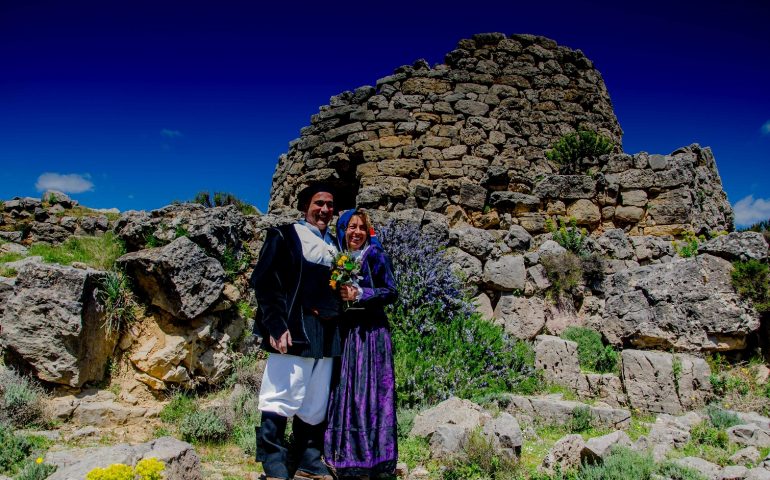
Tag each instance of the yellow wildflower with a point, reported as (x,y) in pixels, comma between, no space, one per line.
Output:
(39,460)
(333,283)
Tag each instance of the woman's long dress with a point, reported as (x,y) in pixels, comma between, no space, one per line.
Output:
(361,436)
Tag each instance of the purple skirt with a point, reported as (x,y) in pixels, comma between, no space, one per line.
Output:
(360,438)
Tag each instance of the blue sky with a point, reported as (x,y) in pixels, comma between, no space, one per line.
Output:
(135,104)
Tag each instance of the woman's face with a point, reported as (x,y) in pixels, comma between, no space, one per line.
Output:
(355,233)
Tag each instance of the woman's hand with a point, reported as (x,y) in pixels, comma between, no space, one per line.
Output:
(349,293)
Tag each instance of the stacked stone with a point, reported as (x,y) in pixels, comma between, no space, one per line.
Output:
(448,136)
(467,140)
(48,219)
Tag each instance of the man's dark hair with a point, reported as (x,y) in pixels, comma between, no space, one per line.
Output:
(303,199)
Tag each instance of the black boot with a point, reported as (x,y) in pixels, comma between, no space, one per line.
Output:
(271,449)
(309,443)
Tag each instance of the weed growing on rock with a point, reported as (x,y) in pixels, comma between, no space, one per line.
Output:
(568,235)
(688,247)
(234,262)
(572,148)
(705,433)
(581,420)
(751,280)
(720,418)
(117,302)
(593,355)
(564,271)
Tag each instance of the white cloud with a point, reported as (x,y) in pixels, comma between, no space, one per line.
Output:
(749,210)
(170,133)
(67,183)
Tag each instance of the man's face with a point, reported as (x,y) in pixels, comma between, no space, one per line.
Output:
(321,210)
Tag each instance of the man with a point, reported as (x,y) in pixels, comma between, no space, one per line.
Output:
(297,325)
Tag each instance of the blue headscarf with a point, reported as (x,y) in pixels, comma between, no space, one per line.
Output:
(342,225)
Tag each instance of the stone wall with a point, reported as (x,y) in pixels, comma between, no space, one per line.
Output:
(467,139)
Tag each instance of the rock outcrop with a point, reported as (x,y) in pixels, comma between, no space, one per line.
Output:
(686,305)
(179,277)
(52,323)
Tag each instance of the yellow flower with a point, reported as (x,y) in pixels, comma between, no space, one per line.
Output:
(39,460)
(333,283)
(341,261)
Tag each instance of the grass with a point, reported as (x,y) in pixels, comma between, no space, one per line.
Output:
(593,355)
(99,252)
(737,386)
(117,301)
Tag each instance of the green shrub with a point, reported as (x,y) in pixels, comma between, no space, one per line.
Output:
(568,235)
(466,357)
(722,419)
(234,262)
(440,347)
(405,419)
(247,371)
(564,271)
(689,245)
(624,464)
(751,280)
(244,415)
(706,434)
(581,419)
(480,460)
(117,302)
(35,471)
(179,407)
(572,148)
(203,426)
(15,449)
(98,252)
(593,355)
(22,400)
(413,451)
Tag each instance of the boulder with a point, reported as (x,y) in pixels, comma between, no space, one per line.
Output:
(52,324)
(686,305)
(601,447)
(757,473)
(746,455)
(734,472)
(521,317)
(504,433)
(709,470)
(661,382)
(566,187)
(464,265)
(737,246)
(453,411)
(181,461)
(552,409)
(506,273)
(475,241)
(179,277)
(566,454)
(749,435)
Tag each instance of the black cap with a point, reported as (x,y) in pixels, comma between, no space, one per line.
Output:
(304,196)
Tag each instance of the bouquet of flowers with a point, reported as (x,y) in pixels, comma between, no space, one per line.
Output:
(345,271)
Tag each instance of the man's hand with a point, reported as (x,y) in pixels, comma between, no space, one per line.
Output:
(348,293)
(283,343)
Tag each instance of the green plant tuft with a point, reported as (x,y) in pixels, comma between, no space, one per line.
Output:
(593,355)
(203,426)
(581,420)
(568,235)
(689,245)
(22,400)
(117,302)
(99,252)
(571,149)
(180,406)
(751,280)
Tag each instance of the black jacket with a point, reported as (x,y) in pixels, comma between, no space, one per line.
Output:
(288,289)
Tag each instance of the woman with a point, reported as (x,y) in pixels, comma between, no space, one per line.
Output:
(361,434)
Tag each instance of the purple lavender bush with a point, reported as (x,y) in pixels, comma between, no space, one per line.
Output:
(442,348)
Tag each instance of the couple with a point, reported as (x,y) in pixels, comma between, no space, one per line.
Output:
(301,326)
